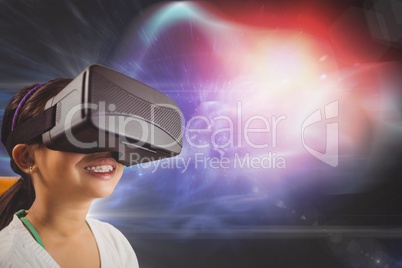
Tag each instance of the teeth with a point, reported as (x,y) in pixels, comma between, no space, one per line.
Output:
(100,169)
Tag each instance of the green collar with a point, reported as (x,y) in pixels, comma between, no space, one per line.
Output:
(21,215)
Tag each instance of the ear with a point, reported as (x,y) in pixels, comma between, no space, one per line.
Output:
(22,158)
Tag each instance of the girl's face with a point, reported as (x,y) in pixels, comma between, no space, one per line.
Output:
(75,176)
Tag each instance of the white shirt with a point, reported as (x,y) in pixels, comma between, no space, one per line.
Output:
(19,249)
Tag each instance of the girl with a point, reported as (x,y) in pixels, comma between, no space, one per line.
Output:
(43,215)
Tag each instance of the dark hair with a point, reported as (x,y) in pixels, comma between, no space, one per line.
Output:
(22,194)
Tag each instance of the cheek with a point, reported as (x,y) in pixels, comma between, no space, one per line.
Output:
(119,173)
(55,164)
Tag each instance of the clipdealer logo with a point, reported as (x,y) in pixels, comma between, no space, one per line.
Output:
(331,155)
(204,134)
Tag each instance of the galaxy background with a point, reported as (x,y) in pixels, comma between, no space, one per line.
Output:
(292,123)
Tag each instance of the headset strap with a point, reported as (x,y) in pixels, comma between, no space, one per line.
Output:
(31,128)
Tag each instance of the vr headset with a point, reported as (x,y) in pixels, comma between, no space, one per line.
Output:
(104,110)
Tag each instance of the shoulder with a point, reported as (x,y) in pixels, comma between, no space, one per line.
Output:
(8,238)
(19,249)
(113,243)
(103,226)
(13,251)
(108,233)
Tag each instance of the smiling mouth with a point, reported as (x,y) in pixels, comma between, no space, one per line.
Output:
(100,168)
